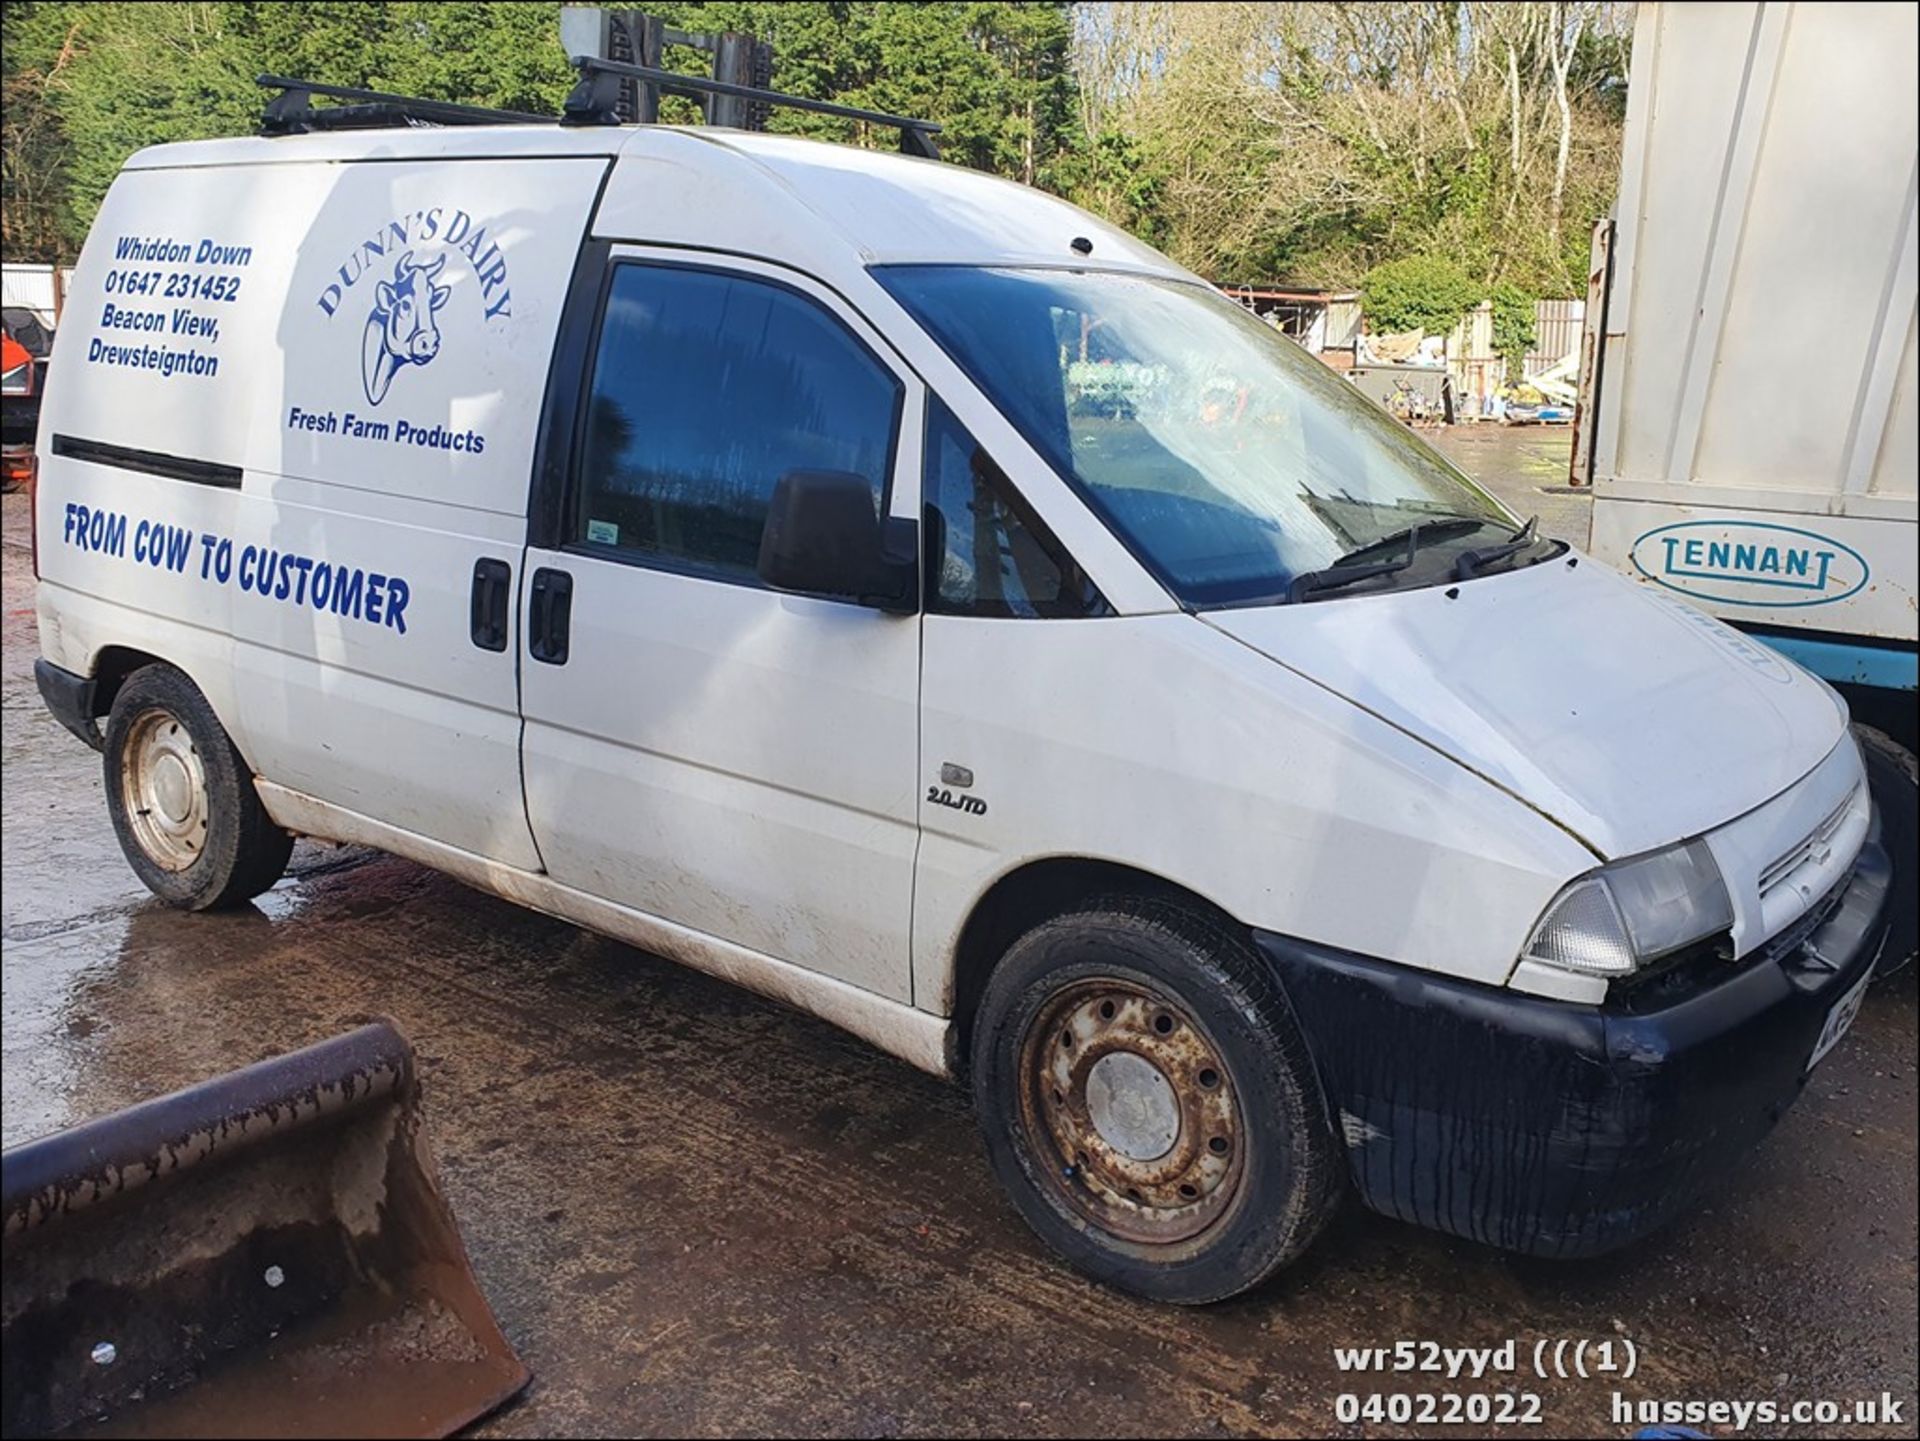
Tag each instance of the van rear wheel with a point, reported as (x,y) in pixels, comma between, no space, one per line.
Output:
(1149,1103)
(182,801)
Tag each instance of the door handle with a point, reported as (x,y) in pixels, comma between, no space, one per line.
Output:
(550,616)
(491,581)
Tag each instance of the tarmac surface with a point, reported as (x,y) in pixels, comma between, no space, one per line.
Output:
(696,1213)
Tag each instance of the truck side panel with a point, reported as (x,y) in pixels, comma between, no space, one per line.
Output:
(1754,444)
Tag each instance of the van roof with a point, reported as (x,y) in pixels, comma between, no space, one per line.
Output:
(891,208)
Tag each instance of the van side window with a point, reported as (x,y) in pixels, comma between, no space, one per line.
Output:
(707,388)
(988,554)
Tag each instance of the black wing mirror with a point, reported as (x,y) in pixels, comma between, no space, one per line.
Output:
(822,537)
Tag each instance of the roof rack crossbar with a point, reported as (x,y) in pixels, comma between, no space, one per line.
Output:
(291,112)
(594,99)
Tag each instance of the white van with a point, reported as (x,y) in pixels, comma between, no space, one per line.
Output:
(897,591)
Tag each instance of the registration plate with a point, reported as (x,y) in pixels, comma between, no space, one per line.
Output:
(1839,1018)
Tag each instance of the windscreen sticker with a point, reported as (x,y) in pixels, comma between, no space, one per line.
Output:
(281,576)
(166,296)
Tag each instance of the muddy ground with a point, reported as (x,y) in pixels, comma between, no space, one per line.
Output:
(697,1213)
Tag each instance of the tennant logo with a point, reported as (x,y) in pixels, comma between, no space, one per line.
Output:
(1738,562)
(399,281)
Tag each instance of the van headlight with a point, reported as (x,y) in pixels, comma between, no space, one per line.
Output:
(1614,920)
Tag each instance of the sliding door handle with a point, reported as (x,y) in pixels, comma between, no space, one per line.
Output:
(492,587)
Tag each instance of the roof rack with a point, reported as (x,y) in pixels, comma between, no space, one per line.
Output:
(595,100)
(292,113)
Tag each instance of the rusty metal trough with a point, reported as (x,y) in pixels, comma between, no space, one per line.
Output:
(264,1254)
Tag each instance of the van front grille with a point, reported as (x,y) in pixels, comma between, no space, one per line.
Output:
(1821,835)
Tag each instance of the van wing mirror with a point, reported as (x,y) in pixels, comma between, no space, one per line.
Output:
(822,537)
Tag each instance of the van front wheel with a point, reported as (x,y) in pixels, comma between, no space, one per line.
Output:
(181,799)
(1149,1104)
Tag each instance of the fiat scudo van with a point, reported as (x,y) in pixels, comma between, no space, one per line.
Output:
(895,590)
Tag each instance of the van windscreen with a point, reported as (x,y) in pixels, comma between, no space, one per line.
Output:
(1229,460)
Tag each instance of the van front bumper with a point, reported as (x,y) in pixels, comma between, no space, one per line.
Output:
(1566,1130)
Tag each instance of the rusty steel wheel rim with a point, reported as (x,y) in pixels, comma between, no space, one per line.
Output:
(1132,1111)
(163,787)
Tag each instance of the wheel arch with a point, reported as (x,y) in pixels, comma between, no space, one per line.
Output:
(1022,898)
(112,664)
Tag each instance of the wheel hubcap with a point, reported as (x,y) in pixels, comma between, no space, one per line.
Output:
(1132,1106)
(1132,1111)
(164,790)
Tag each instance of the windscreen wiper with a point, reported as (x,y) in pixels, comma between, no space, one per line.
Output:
(1419,533)
(1345,571)
(1312,582)
(1470,562)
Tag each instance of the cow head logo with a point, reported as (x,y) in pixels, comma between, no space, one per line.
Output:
(400,329)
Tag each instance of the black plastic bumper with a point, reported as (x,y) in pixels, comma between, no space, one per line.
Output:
(70,698)
(1557,1129)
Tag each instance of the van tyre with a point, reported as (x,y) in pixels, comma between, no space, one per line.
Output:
(1893,778)
(1149,1103)
(182,800)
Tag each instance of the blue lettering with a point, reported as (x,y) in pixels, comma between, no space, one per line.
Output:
(381,600)
(211,254)
(346,592)
(397,593)
(162,545)
(1694,549)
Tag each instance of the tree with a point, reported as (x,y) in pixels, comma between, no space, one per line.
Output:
(88,84)
(38,43)
(1420,292)
(1513,325)
(1314,141)
(1253,141)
